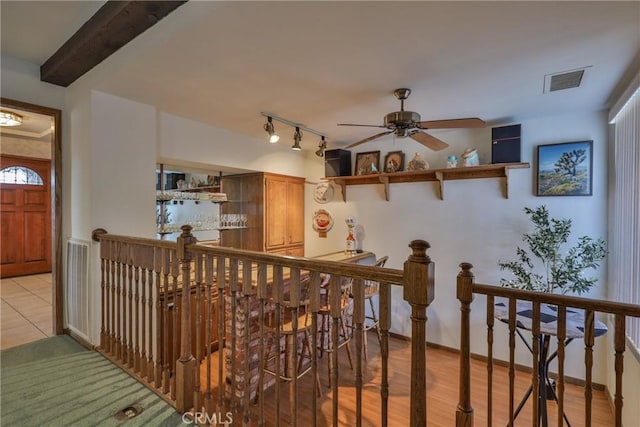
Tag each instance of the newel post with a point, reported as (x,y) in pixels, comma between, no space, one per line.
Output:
(186,364)
(419,293)
(464,292)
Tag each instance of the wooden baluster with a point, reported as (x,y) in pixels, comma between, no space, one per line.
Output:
(561,337)
(535,363)
(619,347)
(142,356)
(112,271)
(150,302)
(185,366)
(419,293)
(384,325)
(512,358)
(358,320)
(137,259)
(247,291)
(161,316)
(233,365)
(314,306)
(118,301)
(277,298)
(589,336)
(131,267)
(335,312)
(262,298)
(464,293)
(294,301)
(103,287)
(167,345)
(126,298)
(490,323)
(197,393)
(221,280)
(177,313)
(208,334)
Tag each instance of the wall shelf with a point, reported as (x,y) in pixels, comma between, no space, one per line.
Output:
(500,170)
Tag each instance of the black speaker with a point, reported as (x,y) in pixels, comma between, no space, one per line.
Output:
(505,144)
(337,163)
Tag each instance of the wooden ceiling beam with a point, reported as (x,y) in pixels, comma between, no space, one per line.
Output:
(115,24)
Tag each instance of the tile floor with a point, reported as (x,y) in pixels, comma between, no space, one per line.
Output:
(26,310)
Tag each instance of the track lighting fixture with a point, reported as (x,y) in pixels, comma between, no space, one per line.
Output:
(321,147)
(273,136)
(297,137)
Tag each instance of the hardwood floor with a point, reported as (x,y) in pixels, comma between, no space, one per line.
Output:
(442,394)
(27,314)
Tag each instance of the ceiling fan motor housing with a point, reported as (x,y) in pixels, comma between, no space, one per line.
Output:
(401,120)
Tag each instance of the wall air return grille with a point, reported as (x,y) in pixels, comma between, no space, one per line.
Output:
(565,80)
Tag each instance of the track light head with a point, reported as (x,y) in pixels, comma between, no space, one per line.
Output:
(297,137)
(268,127)
(321,147)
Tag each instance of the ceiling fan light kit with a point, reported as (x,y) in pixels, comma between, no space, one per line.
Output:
(408,124)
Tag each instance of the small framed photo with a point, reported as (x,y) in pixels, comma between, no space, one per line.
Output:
(394,162)
(367,163)
(565,169)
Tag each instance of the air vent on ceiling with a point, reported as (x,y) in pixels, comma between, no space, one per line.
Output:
(564,80)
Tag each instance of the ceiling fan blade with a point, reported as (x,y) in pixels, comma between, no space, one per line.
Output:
(470,122)
(371,138)
(369,126)
(428,141)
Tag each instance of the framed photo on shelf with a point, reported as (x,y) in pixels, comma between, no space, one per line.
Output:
(367,163)
(394,162)
(565,169)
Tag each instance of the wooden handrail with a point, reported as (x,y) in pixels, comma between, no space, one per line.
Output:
(610,307)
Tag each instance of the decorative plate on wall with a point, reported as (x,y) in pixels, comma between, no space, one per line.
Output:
(323,192)
(322,222)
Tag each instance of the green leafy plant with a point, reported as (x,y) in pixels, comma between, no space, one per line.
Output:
(561,272)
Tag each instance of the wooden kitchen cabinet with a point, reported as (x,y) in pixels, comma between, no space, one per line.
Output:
(274,205)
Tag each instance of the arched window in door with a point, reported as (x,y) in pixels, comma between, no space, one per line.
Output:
(20,175)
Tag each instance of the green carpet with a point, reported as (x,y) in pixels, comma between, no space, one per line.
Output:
(57,382)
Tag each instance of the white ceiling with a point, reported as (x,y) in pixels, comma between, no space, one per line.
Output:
(322,63)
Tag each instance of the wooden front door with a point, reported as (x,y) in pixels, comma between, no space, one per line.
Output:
(25,211)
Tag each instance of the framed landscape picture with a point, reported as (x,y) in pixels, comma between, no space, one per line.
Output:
(367,163)
(565,169)
(394,161)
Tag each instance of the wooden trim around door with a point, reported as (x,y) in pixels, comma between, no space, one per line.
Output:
(56,204)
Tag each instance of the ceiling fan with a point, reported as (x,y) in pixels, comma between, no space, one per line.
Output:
(407,123)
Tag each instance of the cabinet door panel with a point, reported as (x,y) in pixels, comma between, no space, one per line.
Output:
(295,212)
(276,212)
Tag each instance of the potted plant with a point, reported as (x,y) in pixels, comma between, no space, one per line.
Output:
(562,271)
